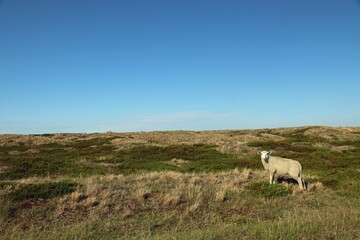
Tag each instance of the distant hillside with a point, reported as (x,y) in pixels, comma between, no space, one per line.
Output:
(226,141)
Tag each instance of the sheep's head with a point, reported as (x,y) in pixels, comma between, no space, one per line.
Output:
(265,155)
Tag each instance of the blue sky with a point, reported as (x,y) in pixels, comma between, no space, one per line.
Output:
(144,65)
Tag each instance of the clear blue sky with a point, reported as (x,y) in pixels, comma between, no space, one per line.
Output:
(143,65)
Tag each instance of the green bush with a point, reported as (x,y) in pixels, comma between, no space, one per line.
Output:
(199,157)
(267,190)
(43,191)
(4,184)
(46,165)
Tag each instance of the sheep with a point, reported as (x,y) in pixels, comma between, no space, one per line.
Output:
(282,166)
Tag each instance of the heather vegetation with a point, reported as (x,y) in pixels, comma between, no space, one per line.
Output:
(179,185)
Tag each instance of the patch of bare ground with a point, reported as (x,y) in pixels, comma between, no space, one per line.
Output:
(14,153)
(177,162)
(101,162)
(3,168)
(110,165)
(128,141)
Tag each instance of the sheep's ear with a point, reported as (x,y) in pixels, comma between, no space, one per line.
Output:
(259,152)
(270,153)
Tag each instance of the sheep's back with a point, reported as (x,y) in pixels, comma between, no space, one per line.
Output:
(284,166)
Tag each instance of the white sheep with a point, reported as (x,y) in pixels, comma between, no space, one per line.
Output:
(282,167)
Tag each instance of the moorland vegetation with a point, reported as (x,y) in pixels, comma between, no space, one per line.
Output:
(179,185)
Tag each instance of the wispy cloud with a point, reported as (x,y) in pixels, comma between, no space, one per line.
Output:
(186,116)
(195,120)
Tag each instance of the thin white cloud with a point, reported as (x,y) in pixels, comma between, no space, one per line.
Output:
(196,120)
(186,116)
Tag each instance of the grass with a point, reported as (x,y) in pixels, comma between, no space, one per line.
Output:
(167,205)
(92,188)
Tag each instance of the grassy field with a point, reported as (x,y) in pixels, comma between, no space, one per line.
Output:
(179,185)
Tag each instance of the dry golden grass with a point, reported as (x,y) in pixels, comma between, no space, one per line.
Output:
(335,133)
(333,148)
(220,195)
(318,186)
(162,189)
(177,162)
(220,199)
(158,190)
(39,180)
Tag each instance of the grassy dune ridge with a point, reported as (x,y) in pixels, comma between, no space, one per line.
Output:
(179,184)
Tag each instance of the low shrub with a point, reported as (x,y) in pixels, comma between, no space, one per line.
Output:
(4,184)
(43,190)
(267,190)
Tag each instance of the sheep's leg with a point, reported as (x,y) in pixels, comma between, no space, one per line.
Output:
(272,174)
(300,182)
(270,181)
(274,178)
(303,182)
